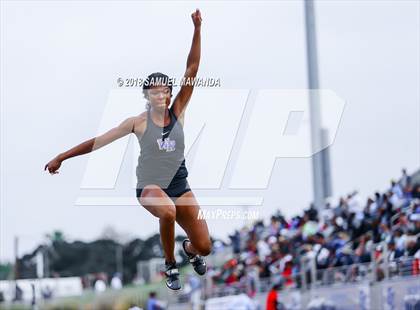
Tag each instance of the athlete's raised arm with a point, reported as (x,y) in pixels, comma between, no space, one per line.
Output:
(193,61)
(90,145)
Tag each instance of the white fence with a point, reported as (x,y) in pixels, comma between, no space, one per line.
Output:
(35,288)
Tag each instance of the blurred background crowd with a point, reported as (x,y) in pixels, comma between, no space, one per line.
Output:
(344,233)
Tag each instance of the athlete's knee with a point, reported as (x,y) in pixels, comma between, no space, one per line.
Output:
(203,247)
(168,213)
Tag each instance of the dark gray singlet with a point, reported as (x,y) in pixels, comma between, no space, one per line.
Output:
(161,157)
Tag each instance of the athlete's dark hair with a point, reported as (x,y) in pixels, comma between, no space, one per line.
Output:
(156,79)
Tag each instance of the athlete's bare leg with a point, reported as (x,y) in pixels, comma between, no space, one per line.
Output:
(187,209)
(157,202)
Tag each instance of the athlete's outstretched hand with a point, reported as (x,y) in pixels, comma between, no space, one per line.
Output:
(196,18)
(53,165)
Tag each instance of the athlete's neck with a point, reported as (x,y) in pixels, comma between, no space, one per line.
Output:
(159,115)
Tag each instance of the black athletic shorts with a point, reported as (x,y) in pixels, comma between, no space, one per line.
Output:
(176,189)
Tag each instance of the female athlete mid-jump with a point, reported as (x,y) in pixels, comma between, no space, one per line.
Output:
(162,186)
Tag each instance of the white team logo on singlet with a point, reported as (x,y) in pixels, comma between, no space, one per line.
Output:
(166,144)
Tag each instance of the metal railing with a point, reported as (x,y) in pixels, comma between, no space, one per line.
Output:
(310,277)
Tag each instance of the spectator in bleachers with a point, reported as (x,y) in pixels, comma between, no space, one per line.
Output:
(340,235)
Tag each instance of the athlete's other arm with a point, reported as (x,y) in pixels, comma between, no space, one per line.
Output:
(193,61)
(93,144)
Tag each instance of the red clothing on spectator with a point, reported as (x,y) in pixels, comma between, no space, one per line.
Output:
(416,266)
(231,279)
(287,274)
(272,300)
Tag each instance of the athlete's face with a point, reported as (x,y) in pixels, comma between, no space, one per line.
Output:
(159,96)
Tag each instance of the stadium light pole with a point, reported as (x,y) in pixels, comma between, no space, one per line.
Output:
(320,160)
(15,250)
